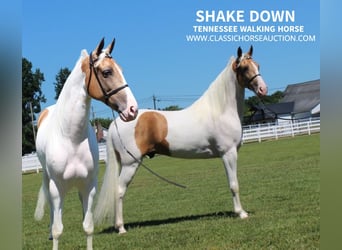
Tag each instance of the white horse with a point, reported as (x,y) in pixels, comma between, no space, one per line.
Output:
(210,127)
(66,143)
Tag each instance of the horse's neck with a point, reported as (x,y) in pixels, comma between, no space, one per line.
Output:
(240,98)
(73,106)
(223,96)
(234,94)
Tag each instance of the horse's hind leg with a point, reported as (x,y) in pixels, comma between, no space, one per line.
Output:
(230,164)
(126,176)
(87,199)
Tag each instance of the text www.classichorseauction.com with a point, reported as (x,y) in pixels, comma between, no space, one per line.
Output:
(210,27)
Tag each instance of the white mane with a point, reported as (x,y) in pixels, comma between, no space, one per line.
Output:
(220,92)
(75,80)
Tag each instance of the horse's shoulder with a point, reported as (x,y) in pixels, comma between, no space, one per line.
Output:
(43,115)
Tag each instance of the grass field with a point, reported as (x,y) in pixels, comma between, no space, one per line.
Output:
(279,187)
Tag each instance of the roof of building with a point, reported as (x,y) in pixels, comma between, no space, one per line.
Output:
(280,108)
(271,111)
(305,95)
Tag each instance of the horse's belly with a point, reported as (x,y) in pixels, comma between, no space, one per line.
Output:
(193,151)
(194,154)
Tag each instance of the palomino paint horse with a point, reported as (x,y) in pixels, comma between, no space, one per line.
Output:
(210,127)
(66,142)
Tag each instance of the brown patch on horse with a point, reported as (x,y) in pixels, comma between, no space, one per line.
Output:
(42,116)
(150,134)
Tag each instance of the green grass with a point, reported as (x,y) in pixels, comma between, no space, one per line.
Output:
(279,187)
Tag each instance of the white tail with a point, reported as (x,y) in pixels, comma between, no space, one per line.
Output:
(39,213)
(105,207)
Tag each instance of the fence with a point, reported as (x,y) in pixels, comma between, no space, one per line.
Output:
(286,128)
(251,133)
(30,163)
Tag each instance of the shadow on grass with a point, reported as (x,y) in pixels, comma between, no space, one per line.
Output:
(149,223)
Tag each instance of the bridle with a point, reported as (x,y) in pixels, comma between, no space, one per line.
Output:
(106,95)
(252,78)
(249,81)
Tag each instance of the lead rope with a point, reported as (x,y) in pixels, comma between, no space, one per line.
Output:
(139,161)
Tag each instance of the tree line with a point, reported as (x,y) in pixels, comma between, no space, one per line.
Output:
(32,97)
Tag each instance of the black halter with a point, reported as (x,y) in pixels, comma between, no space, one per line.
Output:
(106,95)
(250,80)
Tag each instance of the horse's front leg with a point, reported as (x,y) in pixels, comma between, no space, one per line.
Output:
(87,198)
(126,176)
(56,203)
(230,164)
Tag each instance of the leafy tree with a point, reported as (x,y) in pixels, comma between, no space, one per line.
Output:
(31,97)
(254,100)
(61,78)
(274,98)
(172,108)
(105,122)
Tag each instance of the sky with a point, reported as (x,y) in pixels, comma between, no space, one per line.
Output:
(153,46)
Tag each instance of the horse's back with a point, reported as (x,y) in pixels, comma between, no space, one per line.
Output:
(172,133)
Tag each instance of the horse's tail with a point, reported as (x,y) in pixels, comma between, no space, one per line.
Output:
(105,207)
(39,213)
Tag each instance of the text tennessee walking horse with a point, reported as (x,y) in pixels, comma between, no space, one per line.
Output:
(66,143)
(210,127)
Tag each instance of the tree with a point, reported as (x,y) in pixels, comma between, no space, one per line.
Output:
(61,78)
(31,97)
(172,108)
(105,122)
(274,98)
(254,100)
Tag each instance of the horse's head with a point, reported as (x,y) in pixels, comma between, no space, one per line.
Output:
(247,72)
(106,82)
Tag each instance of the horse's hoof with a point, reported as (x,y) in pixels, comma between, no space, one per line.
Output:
(243,215)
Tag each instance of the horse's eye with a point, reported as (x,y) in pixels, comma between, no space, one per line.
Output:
(107,73)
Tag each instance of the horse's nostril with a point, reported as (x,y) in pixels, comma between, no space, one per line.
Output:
(132,109)
(262,90)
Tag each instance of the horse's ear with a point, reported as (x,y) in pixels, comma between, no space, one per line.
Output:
(250,52)
(237,61)
(99,47)
(239,52)
(111,46)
